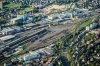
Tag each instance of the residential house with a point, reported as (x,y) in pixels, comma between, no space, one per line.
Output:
(91,26)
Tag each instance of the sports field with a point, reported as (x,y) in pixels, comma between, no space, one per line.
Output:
(86,23)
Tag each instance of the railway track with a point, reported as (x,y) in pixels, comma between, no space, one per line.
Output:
(24,40)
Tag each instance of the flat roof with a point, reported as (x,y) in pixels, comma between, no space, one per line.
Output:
(6,37)
(30,24)
(18,17)
(7,30)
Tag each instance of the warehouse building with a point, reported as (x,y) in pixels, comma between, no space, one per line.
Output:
(6,38)
(7,31)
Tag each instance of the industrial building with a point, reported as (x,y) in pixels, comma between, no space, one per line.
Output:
(5,38)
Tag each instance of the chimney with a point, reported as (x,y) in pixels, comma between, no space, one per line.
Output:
(1,5)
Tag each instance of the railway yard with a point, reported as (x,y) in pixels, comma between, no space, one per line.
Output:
(49,32)
(36,38)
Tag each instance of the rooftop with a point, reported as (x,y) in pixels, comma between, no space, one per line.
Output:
(6,37)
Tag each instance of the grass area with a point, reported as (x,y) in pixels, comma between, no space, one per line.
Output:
(86,23)
(11,6)
(26,10)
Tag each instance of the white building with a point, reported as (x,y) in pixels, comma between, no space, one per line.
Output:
(52,17)
(14,20)
(87,28)
(70,15)
(92,26)
(29,25)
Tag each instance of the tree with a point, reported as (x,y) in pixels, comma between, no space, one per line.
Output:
(19,23)
(59,45)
